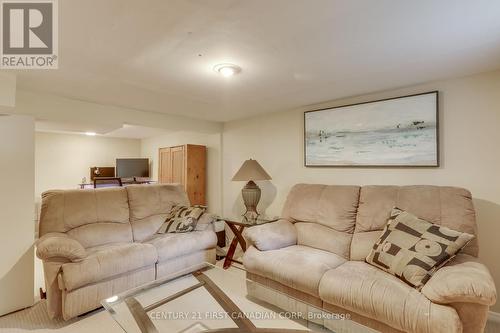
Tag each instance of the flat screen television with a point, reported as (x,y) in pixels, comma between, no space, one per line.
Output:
(132,167)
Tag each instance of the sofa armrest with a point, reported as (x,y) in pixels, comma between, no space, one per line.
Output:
(57,245)
(272,236)
(206,222)
(464,280)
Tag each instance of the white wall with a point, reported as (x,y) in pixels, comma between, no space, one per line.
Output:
(149,148)
(7,89)
(16,212)
(62,160)
(469,135)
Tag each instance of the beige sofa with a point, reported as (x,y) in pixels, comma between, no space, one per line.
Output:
(96,243)
(316,254)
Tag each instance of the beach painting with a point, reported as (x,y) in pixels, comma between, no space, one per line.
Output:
(400,131)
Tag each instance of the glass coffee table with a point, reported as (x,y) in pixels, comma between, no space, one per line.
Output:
(208,300)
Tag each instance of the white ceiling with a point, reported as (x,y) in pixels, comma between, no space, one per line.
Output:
(124,131)
(158,55)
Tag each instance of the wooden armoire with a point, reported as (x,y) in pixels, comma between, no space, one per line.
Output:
(186,165)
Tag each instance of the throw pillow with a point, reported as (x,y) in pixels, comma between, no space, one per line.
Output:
(413,249)
(182,219)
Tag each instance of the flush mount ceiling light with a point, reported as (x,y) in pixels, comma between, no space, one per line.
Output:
(227,70)
(91,133)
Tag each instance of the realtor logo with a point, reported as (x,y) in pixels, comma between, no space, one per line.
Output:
(29,34)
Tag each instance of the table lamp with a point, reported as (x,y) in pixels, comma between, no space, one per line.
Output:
(251,170)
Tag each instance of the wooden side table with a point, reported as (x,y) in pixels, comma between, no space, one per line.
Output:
(237,226)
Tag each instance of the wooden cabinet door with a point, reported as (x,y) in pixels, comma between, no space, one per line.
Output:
(165,166)
(178,169)
(196,174)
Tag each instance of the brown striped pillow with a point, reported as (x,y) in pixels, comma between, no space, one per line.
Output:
(182,219)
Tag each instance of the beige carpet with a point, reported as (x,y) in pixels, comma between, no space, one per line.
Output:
(36,319)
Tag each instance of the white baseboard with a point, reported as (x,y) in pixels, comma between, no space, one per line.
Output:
(494,317)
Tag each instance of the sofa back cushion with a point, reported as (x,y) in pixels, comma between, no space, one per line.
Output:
(451,207)
(324,215)
(150,205)
(92,216)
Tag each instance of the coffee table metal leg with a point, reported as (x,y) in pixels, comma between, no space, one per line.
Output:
(141,317)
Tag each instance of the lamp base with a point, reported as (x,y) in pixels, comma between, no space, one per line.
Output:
(251,196)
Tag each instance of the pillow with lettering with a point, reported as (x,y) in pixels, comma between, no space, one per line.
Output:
(413,249)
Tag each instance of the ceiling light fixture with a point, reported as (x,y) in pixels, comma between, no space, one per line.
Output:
(90,133)
(227,70)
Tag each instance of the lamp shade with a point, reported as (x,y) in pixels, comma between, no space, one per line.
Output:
(251,170)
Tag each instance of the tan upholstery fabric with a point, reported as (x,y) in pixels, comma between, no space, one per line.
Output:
(185,264)
(108,261)
(82,213)
(253,279)
(262,288)
(175,245)
(334,207)
(95,234)
(320,237)
(451,207)
(350,326)
(143,228)
(375,294)
(88,298)
(56,245)
(51,271)
(463,279)
(150,205)
(362,243)
(473,316)
(300,267)
(272,236)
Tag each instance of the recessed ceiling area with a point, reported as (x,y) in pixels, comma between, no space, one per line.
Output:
(124,131)
(159,55)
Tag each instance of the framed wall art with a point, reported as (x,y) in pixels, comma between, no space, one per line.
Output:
(394,132)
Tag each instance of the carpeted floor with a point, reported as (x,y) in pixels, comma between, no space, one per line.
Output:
(36,319)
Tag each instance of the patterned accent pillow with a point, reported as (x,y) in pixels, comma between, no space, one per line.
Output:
(413,249)
(182,219)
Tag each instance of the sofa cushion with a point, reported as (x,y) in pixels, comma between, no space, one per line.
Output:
(325,209)
(412,249)
(364,289)
(150,205)
(93,216)
(107,261)
(297,266)
(450,207)
(173,245)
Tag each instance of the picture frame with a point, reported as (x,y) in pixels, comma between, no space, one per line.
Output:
(393,132)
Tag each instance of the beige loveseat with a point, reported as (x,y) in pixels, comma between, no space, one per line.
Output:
(96,243)
(316,254)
